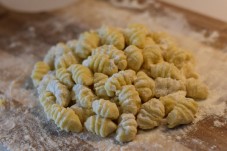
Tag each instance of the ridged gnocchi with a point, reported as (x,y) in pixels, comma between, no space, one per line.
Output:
(116,81)
(100,126)
(112,36)
(83,95)
(165,86)
(163,40)
(83,113)
(135,34)
(86,43)
(65,118)
(165,70)
(134,57)
(60,91)
(129,99)
(43,84)
(81,74)
(65,77)
(65,60)
(101,63)
(189,72)
(145,86)
(99,85)
(182,113)
(40,69)
(196,89)
(151,55)
(105,108)
(150,114)
(117,55)
(127,128)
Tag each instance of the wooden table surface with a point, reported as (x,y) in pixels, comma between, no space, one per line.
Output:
(25,38)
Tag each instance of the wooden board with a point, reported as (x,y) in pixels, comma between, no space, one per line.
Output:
(25,39)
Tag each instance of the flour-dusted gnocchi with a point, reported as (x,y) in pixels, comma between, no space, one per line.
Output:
(99,85)
(101,63)
(129,99)
(83,113)
(100,126)
(65,77)
(150,114)
(196,89)
(178,56)
(165,70)
(117,55)
(183,113)
(47,99)
(134,57)
(163,40)
(145,86)
(83,95)
(136,34)
(81,74)
(105,108)
(43,84)
(65,118)
(65,60)
(86,43)
(112,36)
(55,52)
(165,86)
(149,42)
(170,100)
(60,91)
(151,55)
(116,81)
(189,72)
(40,69)
(127,128)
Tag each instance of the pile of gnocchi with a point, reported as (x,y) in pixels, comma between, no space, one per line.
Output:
(118,80)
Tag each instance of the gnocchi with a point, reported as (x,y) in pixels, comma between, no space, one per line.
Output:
(99,85)
(65,77)
(196,89)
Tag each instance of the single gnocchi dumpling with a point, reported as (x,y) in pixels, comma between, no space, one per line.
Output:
(151,55)
(129,99)
(163,40)
(105,108)
(86,43)
(165,70)
(189,72)
(112,36)
(165,86)
(135,34)
(170,100)
(178,56)
(81,74)
(65,77)
(134,57)
(145,86)
(127,128)
(47,99)
(60,91)
(150,114)
(83,113)
(101,63)
(72,44)
(149,42)
(55,52)
(65,60)
(183,113)
(82,95)
(100,126)
(117,55)
(99,85)
(39,71)
(43,84)
(117,80)
(196,89)
(65,118)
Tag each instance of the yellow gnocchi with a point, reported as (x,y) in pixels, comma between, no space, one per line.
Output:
(101,63)
(65,77)
(145,86)
(112,36)
(127,128)
(65,61)
(134,57)
(117,55)
(100,126)
(163,40)
(99,85)
(150,114)
(196,89)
